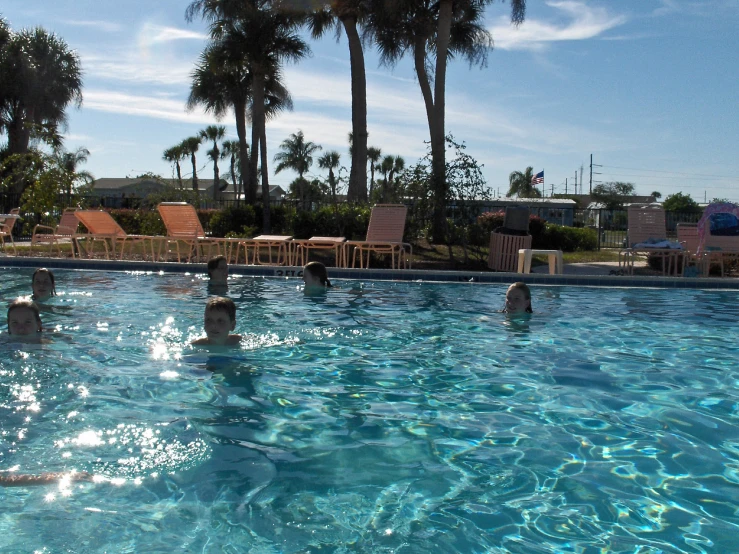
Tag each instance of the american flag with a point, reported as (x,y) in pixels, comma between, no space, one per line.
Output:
(538,179)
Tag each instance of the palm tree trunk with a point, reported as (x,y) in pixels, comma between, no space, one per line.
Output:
(244,161)
(372,179)
(252,176)
(258,128)
(179,173)
(194,174)
(216,175)
(357,190)
(237,189)
(436,124)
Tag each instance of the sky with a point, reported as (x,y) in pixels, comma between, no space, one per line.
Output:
(649,88)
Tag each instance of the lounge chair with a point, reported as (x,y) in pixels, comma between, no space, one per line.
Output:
(647,235)
(384,236)
(101,227)
(183,226)
(7,222)
(61,234)
(718,232)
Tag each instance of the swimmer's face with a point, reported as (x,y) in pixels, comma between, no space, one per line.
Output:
(22,321)
(516,301)
(311,280)
(219,275)
(218,325)
(42,286)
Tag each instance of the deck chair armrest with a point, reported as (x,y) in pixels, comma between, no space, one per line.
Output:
(39,227)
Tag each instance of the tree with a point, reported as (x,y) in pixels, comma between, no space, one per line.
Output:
(521,185)
(348,14)
(232,150)
(262,34)
(680,202)
(175,155)
(190,147)
(433,32)
(330,160)
(68,162)
(373,155)
(214,133)
(656,195)
(613,194)
(296,154)
(39,77)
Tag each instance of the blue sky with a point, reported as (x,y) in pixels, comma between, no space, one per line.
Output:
(648,87)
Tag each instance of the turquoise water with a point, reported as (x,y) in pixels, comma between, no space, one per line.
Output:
(381,417)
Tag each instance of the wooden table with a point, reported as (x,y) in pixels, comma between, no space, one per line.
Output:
(280,242)
(302,248)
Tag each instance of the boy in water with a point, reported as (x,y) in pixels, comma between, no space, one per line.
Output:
(315,277)
(218,270)
(219,321)
(24,320)
(518,299)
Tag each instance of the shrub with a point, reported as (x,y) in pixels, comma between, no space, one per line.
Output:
(234,221)
(139,222)
(567,239)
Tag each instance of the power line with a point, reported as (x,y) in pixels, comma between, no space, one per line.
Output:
(670,172)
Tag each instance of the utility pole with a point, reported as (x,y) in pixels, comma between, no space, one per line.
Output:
(566,186)
(552,193)
(592,165)
(576,181)
(581,168)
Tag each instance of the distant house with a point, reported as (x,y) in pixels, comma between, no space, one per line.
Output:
(116,192)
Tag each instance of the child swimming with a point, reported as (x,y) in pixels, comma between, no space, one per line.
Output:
(43,284)
(315,277)
(218,270)
(219,321)
(518,299)
(24,320)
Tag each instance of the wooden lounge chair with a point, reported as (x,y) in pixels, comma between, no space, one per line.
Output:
(647,225)
(61,234)
(183,226)
(384,236)
(101,227)
(7,222)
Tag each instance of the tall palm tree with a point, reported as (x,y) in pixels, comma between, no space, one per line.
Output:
(520,184)
(389,167)
(190,147)
(330,160)
(348,14)
(220,82)
(214,133)
(297,154)
(40,77)
(69,162)
(175,154)
(232,150)
(433,32)
(373,155)
(264,34)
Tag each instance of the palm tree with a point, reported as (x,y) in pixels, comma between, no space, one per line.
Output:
(68,162)
(214,133)
(220,83)
(175,155)
(373,155)
(330,160)
(434,31)
(232,149)
(296,154)
(190,147)
(520,184)
(262,36)
(347,14)
(40,76)
(389,167)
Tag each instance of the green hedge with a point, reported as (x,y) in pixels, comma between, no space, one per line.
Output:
(567,239)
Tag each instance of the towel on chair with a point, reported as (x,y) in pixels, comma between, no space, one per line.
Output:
(659,243)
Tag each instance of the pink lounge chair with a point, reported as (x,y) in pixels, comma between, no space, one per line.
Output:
(7,223)
(103,228)
(61,234)
(384,236)
(183,226)
(647,224)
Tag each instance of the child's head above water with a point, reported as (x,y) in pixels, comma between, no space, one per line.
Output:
(315,275)
(42,284)
(220,320)
(518,299)
(24,318)
(218,270)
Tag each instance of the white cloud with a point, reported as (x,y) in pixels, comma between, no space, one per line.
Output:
(143,106)
(137,67)
(99,25)
(153,34)
(585,22)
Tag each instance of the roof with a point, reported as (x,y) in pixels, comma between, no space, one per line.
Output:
(530,201)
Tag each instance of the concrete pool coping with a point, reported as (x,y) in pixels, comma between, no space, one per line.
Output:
(470,277)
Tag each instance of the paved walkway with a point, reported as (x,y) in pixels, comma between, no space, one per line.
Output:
(591,268)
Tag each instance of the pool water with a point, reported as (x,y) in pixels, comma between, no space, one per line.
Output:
(379,417)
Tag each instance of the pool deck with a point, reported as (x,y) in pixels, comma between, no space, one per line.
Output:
(587,274)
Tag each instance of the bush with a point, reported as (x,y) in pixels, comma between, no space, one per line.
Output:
(139,222)
(489,221)
(567,239)
(235,221)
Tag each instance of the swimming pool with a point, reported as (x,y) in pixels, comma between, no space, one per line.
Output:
(381,417)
